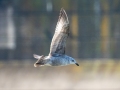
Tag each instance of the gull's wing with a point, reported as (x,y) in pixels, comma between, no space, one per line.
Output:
(61,33)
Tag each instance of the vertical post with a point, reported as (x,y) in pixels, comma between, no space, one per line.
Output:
(10,29)
(97,11)
(105,36)
(74,27)
(105,31)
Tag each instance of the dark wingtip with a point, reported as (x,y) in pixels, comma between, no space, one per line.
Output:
(62,10)
(63,15)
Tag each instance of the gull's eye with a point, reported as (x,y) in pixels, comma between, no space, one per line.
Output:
(72,60)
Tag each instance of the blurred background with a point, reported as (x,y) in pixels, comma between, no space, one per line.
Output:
(27,27)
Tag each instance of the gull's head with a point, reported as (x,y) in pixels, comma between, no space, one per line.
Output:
(73,61)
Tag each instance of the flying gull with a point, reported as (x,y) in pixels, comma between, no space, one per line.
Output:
(57,55)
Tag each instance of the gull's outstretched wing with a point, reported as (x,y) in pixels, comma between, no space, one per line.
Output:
(61,34)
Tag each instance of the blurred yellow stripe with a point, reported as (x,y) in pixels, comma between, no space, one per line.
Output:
(105,35)
(74,25)
(104,68)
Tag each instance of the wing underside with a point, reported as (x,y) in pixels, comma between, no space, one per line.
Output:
(61,34)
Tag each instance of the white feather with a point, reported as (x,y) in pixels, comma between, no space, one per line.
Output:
(37,56)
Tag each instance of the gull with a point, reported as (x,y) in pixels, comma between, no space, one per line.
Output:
(57,56)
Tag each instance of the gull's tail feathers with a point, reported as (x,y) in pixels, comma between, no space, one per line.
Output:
(39,62)
(37,56)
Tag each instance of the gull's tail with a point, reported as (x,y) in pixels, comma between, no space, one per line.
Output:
(39,62)
(37,56)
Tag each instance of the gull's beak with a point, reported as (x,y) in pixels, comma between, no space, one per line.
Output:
(77,64)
